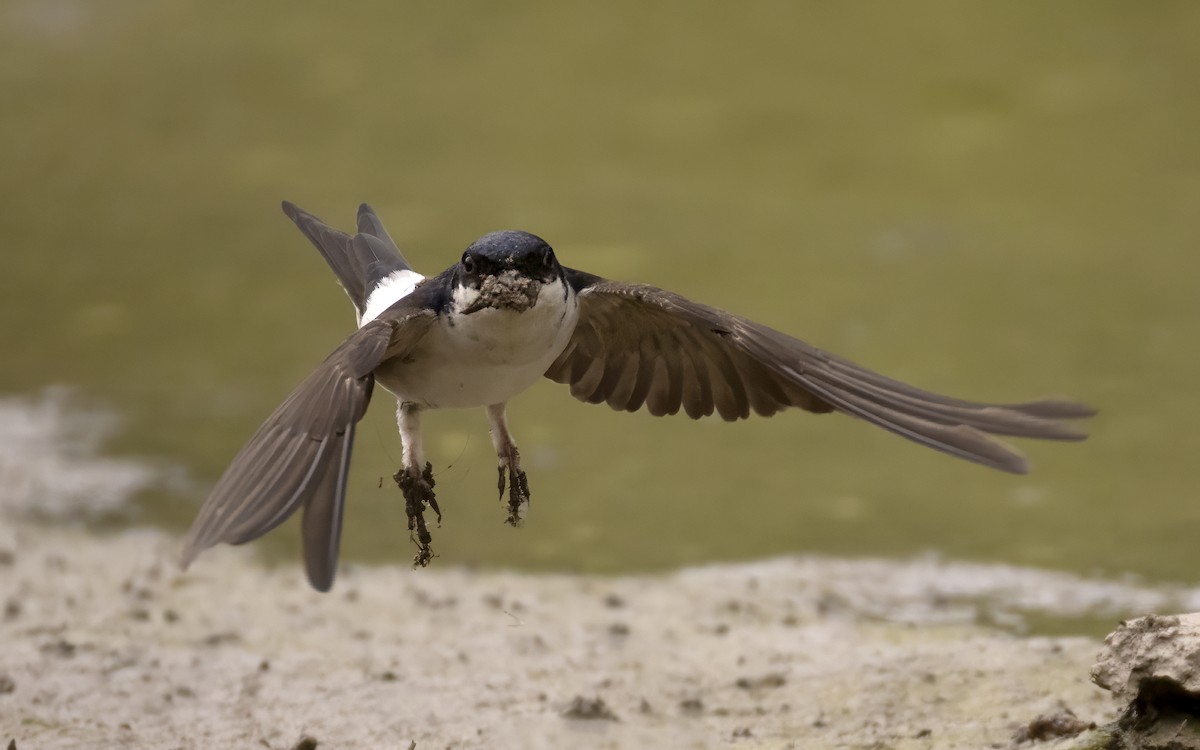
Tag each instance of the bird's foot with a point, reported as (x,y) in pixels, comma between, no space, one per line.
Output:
(418,493)
(518,488)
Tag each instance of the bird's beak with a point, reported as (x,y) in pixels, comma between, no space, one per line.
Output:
(479,304)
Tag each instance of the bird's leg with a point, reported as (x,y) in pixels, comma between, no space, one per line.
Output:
(508,460)
(415,479)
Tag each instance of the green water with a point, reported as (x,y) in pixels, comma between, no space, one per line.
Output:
(997,201)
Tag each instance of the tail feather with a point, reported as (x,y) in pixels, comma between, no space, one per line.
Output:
(369,223)
(360,262)
(321,524)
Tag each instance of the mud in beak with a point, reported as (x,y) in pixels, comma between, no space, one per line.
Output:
(507,290)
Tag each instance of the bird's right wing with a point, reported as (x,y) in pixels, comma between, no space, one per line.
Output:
(300,456)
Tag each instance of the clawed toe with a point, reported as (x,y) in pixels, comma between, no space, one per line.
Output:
(418,493)
(518,492)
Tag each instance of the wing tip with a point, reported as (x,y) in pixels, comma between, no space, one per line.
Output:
(1017,465)
(1057,408)
(188,552)
(982,448)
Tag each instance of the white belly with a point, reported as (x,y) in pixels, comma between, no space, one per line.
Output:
(486,358)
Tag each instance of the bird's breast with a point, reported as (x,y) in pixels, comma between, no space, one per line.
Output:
(486,357)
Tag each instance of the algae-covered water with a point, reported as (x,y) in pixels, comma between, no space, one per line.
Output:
(998,201)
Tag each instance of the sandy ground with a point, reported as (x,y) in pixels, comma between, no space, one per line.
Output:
(104,642)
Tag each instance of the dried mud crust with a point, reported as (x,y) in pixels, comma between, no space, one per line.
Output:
(1150,665)
(518,493)
(419,496)
(418,493)
(1053,725)
(508,290)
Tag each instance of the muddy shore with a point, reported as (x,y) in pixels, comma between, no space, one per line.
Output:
(107,643)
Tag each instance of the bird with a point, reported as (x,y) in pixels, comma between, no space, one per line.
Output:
(507,315)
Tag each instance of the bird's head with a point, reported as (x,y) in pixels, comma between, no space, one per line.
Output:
(505,270)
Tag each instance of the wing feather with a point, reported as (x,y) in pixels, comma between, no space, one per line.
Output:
(300,456)
(636,345)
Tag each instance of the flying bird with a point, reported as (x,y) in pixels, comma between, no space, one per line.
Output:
(508,314)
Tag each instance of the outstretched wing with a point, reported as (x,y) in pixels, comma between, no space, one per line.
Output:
(300,456)
(637,345)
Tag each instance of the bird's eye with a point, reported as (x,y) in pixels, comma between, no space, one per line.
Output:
(468,263)
(548,258)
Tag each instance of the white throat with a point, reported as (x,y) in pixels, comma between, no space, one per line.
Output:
(463,297)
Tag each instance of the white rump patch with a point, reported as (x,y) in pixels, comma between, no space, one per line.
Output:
(396,286)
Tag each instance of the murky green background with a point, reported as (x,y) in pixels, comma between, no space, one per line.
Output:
(997,201)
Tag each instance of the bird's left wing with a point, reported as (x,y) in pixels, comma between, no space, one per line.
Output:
(300,456)
(636,345)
